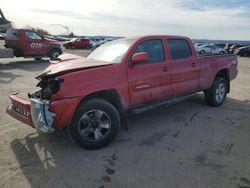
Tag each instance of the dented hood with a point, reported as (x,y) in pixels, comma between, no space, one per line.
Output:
(69,63)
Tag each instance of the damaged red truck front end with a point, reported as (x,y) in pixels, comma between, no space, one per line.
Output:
(46,108)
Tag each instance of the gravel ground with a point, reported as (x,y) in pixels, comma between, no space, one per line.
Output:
(185,145)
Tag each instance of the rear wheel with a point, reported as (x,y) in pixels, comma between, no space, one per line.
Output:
(221,53)
(17,52)
(216,95)
(54,53)
(95,124)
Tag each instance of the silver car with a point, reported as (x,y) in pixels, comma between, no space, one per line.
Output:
(210,49)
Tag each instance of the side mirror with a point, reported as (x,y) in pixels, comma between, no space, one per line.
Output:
(140,58)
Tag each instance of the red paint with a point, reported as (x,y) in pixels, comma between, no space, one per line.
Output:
(22,104)
(136,85)
(78,43)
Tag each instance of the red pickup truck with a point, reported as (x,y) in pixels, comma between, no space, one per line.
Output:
(91,96)
(27,43)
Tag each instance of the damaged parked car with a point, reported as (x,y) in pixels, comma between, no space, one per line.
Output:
(90,97)
(77,43)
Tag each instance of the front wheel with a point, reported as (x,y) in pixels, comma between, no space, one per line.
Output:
(216,95)
(54,53)
(221,52)
(95,124)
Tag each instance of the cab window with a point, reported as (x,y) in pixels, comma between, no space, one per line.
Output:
(179,49)
(32,35)
(154,48)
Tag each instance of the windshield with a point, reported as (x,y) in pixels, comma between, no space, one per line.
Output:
(112,51)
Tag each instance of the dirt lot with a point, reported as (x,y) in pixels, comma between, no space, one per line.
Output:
(180,146)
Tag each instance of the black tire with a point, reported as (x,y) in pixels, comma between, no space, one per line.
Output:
(211,96)
(202,52)
(221,52)
(17,52)
(245,54)
(87,107)
(38,59)
(54,53)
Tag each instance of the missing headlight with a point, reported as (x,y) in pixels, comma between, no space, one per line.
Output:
(48,87)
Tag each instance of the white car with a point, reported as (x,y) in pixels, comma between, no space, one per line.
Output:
(95,42)
(2,36)
(210,49)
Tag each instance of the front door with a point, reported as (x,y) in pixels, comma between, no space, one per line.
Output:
(149,82)
(34,44)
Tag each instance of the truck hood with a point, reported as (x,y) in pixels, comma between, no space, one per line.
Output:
(53,42)
(67,63)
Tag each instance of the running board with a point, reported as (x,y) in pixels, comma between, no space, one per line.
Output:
(150,107)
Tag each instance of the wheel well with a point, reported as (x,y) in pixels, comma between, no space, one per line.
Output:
(50,50)
(113,97)
(224,73)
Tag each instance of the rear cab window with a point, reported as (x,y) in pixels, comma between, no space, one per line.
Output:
(12,34)
(179,49)
(154,48)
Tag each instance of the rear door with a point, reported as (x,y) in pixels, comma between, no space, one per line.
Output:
(185,76)
(34,44)
(78,43)
(149,82)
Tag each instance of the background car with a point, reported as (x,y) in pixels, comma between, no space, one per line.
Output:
(210,49)
(197,44)
(2,36)
(243,51)
(234,47)
(78,43)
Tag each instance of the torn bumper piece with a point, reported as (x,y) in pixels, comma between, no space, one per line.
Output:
(34,113)
(41,116)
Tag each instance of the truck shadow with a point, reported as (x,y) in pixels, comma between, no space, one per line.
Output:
(7,77)
(53,160)
(6,70)
(27,65)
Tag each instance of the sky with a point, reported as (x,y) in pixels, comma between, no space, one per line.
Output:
(197,19)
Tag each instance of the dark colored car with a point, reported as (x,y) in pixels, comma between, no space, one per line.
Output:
(243,51)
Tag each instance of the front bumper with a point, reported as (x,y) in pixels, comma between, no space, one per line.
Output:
(34,113)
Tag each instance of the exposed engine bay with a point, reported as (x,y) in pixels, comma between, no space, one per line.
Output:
(49,86)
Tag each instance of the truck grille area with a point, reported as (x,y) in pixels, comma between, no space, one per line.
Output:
(20,111)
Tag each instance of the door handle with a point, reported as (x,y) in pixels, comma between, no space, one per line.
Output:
(165,69)
(143,86)
(193,64)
